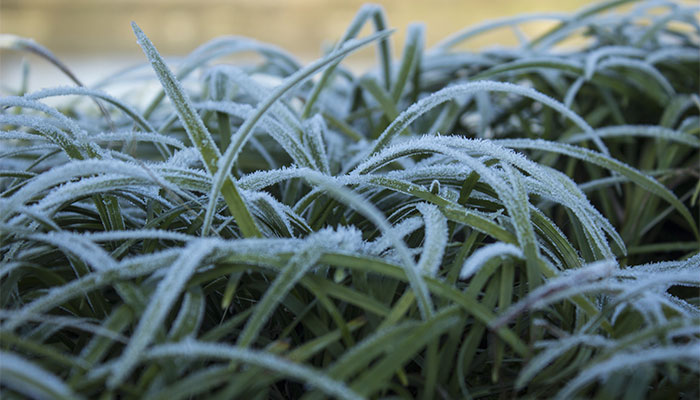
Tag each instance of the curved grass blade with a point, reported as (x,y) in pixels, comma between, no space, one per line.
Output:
(31,380)
(192,349)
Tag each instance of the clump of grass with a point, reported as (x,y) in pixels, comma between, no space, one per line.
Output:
(515,222)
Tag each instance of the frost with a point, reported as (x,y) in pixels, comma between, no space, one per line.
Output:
(659,132)
(455,91)
(262,179)
(314,136)
(196,130)
(129,136)
(271,211)
(281,132)
(280,111)
(465,34)
(666,54)
(33,381)
(166,294)
(87,251)
(72,126)
(630,361)
(190,348)
(401,229)
(606,162)
(573,91)
(566,285)
(185,158)
(435,239)
(641,66)
(554,349)
(607,51)
(79,90)
(481,256)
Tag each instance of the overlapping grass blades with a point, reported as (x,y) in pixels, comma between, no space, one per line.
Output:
(412,231)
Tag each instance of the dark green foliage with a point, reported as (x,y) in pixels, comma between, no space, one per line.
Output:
(512,223)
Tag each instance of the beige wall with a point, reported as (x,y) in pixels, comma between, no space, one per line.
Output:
(94,37)
(301,26)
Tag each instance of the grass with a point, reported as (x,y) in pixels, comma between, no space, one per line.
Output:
(513,223)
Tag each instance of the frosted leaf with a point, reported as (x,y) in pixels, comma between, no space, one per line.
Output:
(20,135)
(137,234)
(185,158)
(454,39)
(189,318)
(670,53)
(81,90)
(167,292)
(659,132)
(314,130)
(72,147)
(73,191)
(641,66)
(135,136)
(194,126)
(481,256)
(564,286)
(271,211)
(402,229)
(435,239)
(573,91)
(191,349)
(31,380)
(82,324)
(85,250)
(681,306)
(519,210)
(607,51)
(63,174)
(554,349)
(262,179)
(72,126)
(685,354)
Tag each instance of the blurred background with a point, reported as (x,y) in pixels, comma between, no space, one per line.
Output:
(94,38)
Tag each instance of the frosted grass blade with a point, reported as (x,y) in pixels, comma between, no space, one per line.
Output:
(278,364)
(199,135)
(31,380)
